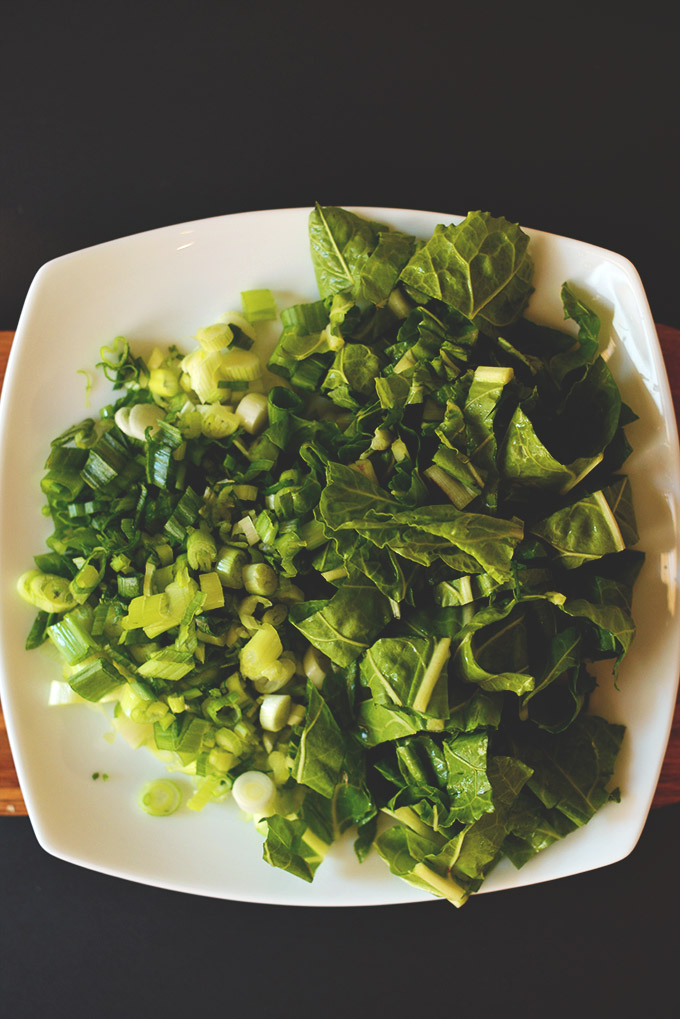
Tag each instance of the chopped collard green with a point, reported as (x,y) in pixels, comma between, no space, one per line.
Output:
(365,600)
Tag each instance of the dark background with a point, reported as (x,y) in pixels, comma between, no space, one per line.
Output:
(117,118)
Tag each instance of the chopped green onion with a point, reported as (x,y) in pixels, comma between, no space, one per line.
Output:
(229,567)
(160,798)
(275,676)
(247,527)
(211,586)
(214,337)
(253,413)
(232,318)
(229,741)
(96,680)
(315,666)
(262,650)
(260,578)
(46,591)
(275,711)
(168,664)
(176,703)
(207,789)
(258,305)
(241,365)
(61,693)
(201,549)
(163,382)
(254,792)
(276,615)
(246,493)
(88,576)
(217,421)
(72,641)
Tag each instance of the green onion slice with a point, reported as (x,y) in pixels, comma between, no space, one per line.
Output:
(159,797)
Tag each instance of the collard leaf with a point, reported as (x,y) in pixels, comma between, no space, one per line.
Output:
(350,496)
(413,858)
(379,723)
(533,828)
(587,419)
(395,669)
(583,531)
(285,847)
(563,656)
(344,626)
(483,398)
(481,268)
(351,378)
(351,501)
(479,710)
(555,708)
(584,349)
(483,839)
(493,650)
(524,459)
(571,769)
(619,498)
(321,749)
(467,780)
(380,272)
(341,244)
(604,598)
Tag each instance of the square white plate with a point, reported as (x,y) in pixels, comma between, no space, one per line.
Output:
(159,287)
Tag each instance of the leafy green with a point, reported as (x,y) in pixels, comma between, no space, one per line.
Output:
(584,530)
(321,748)
(344,626)
(480,267)
(341,245)
(483,840)
(285,847)
(571,769)
(525,460)
(394,669)
(467,781)
(380,272)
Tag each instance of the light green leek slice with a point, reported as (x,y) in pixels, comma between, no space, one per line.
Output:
(214,337)
(261,651)
(212,588)
(160,797)
(240,365)
(258,305)
(201,549)
(260,578)
(46,591)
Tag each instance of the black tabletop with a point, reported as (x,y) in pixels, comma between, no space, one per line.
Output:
(123,117)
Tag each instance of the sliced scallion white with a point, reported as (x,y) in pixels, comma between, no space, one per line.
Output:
(261,651)
(275,711)
(254,792)
(253,412)
(246,527)
(143,416)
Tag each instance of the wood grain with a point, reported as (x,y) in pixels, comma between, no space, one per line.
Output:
(668,789)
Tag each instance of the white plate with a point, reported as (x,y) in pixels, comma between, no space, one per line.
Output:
(160,287)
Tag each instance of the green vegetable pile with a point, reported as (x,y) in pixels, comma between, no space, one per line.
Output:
(372,593)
